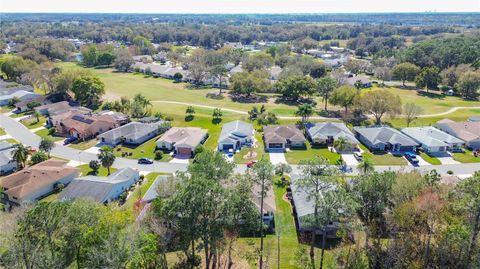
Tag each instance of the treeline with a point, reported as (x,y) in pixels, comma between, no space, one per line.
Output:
(207,35)
(464,19)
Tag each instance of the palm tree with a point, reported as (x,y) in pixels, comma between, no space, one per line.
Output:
(106,157)
(341,144)
(365,166)
(46,145)
(37,116)
(304,111)
(20,154)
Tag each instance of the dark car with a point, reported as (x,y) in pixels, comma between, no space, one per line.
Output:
(251,163)
(69,140)
(411,157)
(145,161)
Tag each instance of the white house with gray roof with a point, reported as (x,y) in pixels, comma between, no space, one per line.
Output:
(235,135)
(382,138)
(433,140)
(101,189)
(325,134)
(22,95)
(7,163)
(133,133)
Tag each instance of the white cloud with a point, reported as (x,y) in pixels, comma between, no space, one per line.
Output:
(238,6)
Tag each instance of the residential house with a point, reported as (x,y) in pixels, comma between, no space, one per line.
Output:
(235,135)
(101,189)
(118,116)
(22,106)
(282,136)
(7,163)
(22,95)
(274,73)
(56,108)
(303,210)
(236,69)
(7,88)
(182,141)
(37,181)
(432,140)
(467,131)
(82,125)
(143,58)
(324,134)
(133,133)
(381,138)
(365,81)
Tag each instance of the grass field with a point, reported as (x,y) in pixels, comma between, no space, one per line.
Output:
(127,84)
(44,133)
(32,123)
(430,159)
(295,156)
(382,158)
(84,145)
(85,170)
(466,157)
(146,150)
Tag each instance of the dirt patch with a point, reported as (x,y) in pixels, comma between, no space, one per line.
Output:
(250,155)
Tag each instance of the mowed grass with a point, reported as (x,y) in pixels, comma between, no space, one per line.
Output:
(145,150)
(32,123)
(295,156)
(2,131)
(459,115)
(466,157)
(430,159)
(382,158)
(259,149)
(140,190)
(119,84)
(84,144)
(44,133)
(85,170)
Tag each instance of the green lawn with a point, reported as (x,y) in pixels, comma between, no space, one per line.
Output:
(32,123)
(2,131)
(86,170)
(259,150)
(382,158)
(466,157)
(12,141)
(44,133)
(285,226)
(140,190)
(5,109)
(430,159)
(51,198)
(459,115)
(295,156)
(84,145)
(146,150)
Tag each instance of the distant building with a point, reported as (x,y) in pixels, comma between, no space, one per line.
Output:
(22,95)
(7,163)
(432,140)
(466,131)
(365,81)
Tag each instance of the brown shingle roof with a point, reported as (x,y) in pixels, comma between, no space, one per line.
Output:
(280,133)
(191,136)
(34,178)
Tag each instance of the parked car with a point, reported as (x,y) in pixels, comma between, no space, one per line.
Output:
(230,153)
(411,157)
(145,161)
(358,155)
(69,140)
(251,163)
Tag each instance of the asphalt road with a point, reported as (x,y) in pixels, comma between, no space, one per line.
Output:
(22,134)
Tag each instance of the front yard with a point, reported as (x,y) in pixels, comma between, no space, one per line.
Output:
(430,159)
(32,123)
(258,150)
(295,156)
(85,170)
(44,133)
(381,158)
(146,150)
(466,157)
(84,144)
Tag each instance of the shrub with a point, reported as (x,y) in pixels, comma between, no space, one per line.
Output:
(52,131)
(94,165)
(168,118)
(123,196)
(158,154)
(199,149)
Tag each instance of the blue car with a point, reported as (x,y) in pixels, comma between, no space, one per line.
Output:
(411,157)
(145,161)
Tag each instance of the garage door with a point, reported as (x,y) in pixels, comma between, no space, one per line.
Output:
(275,145)
(184,151)
(227,146)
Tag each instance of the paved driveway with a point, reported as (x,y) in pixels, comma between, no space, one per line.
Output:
(447,160)
(277,157)
(421,161)
(349,159)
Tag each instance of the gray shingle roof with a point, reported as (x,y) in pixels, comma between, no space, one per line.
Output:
(431,137)
(96,188)
(234,130)
(132,130)
(384,135)
(151,193)
(323,130)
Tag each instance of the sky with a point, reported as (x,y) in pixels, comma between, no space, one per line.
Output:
(238,6)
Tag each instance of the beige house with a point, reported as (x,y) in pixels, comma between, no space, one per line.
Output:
(37,181)
(468,131)
(182,140)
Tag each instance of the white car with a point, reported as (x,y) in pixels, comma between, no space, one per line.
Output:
(358,155)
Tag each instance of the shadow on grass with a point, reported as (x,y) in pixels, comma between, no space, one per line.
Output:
(433,95)
(215,96)
(239,98)
(216,121)
(189,118)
